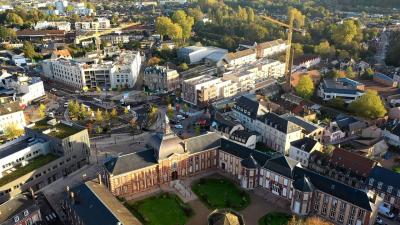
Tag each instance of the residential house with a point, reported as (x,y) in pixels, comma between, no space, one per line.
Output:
(386,184)
(347,89)
(11,114)
(300,150)
(21,210)
(310,129)
(247,111)
(246,138)
(385,80)
(392,133)
(240,58)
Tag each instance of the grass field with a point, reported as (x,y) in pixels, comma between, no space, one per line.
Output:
(164,209)
(221,193)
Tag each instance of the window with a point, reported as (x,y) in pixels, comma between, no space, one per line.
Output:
(371,181)
(390,188)
(276,178)
(379,185)
(26,213)
(285,182)
(16,219)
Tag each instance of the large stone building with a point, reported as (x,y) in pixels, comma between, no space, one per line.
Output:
(159,79)
(169,158)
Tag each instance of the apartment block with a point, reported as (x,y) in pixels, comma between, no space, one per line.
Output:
(11,114)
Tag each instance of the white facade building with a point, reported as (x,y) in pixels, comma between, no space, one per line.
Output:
(301,149)
(101,24)
(19,151)
(11,114)
(59,25)
(122,72)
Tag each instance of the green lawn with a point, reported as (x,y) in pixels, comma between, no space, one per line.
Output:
(221,193)
(31,166)
(164,209)
(396,169)
(275,218)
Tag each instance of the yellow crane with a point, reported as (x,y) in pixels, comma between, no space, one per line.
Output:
(96,35)
(288,57)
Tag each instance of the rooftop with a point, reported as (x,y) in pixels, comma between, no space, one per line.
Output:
(341,85)
(14,207)
(9,108)
(32,165)
(95,205)
(16,145)
(58,130)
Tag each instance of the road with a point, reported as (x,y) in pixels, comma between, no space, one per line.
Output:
(382,47)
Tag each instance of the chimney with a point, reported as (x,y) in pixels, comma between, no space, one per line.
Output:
(32,193)
(99,177)
(72,195)
(67,189)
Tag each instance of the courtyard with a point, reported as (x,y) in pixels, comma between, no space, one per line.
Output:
(221,193)
(162,209)
(214,191)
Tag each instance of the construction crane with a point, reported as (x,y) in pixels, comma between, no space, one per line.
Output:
(96,35)
(289,53)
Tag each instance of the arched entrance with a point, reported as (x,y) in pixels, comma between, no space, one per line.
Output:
(174,175)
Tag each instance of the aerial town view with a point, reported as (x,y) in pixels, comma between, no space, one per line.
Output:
(199,112)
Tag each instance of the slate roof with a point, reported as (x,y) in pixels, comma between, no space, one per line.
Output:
(242,134)
(16,207)
(223,123)
(129,162)
(202,142)
(164,145)
(244,152)
(303,184)
(249,162)
(306,144)
(90,209)
(387,177)
(335,188)
(340,86)
(344,121)
(282,165)
(307,126)
(251,106)
(281,124)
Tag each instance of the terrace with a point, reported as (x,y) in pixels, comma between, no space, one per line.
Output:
(32,165)
(58,130)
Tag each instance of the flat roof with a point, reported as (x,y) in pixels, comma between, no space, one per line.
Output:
(13,147)
(32,165)
(61,130)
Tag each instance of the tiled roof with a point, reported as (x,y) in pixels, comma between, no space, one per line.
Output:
(63,52)
(356,163)
(270,44)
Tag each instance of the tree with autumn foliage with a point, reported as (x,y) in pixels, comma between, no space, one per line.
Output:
(308,221)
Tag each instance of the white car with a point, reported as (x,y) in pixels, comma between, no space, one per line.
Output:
(178,126)
(180,117)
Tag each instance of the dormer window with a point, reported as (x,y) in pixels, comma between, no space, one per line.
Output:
(16,219)
(389,190)
(398,193)
(380,185)
(371,181)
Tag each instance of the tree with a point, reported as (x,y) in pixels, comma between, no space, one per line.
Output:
(241,14)
(29,50)
(13,131)
(99,116)
(14,19)
(69,8)
(197,129)
(337,102)
(184,66)
(186,108)
(98,89)
(196,13)
(298,49)
(185,22)
(114,113)
(345,33)
(368,74)
(368,105)
(126,110)
(162,25)
(297,16)
(84,112)
(133,124)
(42,110)
(308,221)
(305,87)
(107,116)
(350,73)
(175,32)
(334,74)
(7,33)
(250,14)
(153,61)
(89,5)
(325,49)
(74,108)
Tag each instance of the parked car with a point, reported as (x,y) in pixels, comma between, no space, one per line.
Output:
(379,221)
(178,126)
(384,209)
(180,117)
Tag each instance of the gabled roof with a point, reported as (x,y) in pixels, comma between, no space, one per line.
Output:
(307,126)
(250,162)
(242,134)
(279,123)
(129,162)
(202,142)
(62,53)
(247,104)
(282,165)
(335,188)
(358,164)
(305,144)
(165,145)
